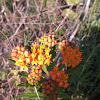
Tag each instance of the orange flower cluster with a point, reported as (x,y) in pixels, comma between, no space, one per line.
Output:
(40,56)
(71,57)
(49,40)
(21,56)
(60,77)
(35,76)
(63,44)
(50,90)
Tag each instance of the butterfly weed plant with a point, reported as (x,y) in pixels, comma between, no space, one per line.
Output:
(36,61)
(48,65)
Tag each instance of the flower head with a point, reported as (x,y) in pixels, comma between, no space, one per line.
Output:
(60,77)
(40,55)
(21,56)
(48,40)
(71,57)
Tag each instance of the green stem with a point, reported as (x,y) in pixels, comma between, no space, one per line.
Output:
(84,66)
(93,84)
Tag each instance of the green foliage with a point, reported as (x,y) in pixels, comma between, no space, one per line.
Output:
(60,32)
(71,13)
(23,74)
(64,95)
(61,67)
(72,70)
(45,3)
(73,2)
(45,70)
(29,96)
(2,75)
(27,46)
(51,3)
(13,61)
(26,85)
(53,52)
(26,42)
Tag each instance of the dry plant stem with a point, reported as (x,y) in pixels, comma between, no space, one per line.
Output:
(61,23)
(10,87)
(36,6)
(17,92)
(86,9)
(7,39)
(12,37)
(27,3)
(37,93)
(63,20)
(72,34)
(31,16)
(20,24)
(67,31)
(3,96)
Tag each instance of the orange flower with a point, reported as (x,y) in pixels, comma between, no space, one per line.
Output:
(63,44)
(71,57)
(49,40)
(21,56)
(40,55)
(35,76)
(21,62)
(59,76)
(55,70)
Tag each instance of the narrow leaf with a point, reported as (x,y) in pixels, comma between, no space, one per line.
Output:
(26,85)
(45,70)
(38,39)
(29,96)
(12,60)
(23,74)
(64,95)
(22,85)
(45,3)
(26,42)
(74,2)
(85,76)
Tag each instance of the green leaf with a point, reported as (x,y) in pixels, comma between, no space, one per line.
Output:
(45,3)
(3,75)
(23,74)
(53,52)
(70,12)
(50,3)
(22,85)
(45,70)
(71,70)
(86,75)
(74,2)
(26,42)
(29,66)
(12,60)
(38,39)
(26,85)
(29,95)
(64,95)
(61,67)
(27,46)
